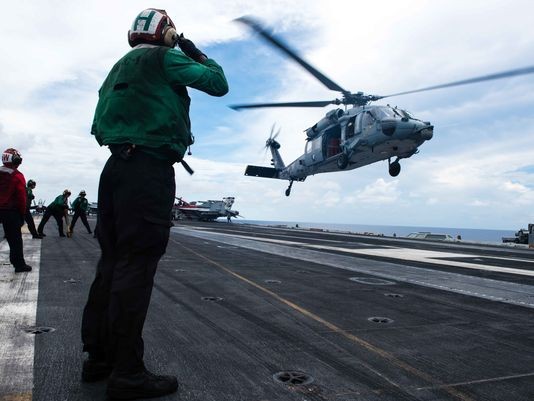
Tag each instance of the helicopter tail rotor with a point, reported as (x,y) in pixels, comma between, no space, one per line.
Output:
(271,141)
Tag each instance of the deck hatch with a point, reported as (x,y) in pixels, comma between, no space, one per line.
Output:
(293,378)
(39,330)
(377,319)
(212,299)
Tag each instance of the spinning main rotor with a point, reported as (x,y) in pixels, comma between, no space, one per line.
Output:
(349,98)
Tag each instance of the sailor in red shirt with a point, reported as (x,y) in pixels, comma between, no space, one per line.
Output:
(13,206)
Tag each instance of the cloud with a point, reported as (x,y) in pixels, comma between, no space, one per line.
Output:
(474,172)
(380,192)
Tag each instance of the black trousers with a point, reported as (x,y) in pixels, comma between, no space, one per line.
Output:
(135,199)
(12,221)
(58,215)
(81,214)
(28,218)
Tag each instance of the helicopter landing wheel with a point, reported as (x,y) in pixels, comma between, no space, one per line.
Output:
(288,190)
(342,161)
(394,169)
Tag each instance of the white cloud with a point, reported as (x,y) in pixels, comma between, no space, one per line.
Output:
(379,192)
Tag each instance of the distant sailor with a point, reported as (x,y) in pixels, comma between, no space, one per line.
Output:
(59,209)
(28,218)
(143,116)
(80,206)
(13,207)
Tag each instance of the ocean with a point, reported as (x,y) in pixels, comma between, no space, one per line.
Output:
(467,234)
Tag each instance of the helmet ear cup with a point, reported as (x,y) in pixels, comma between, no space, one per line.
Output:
(170,36)
(16,160)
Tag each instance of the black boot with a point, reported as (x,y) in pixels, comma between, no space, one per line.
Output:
(140,385)
(94,370)
(22,269)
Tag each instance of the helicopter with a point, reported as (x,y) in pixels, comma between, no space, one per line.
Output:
(349,138)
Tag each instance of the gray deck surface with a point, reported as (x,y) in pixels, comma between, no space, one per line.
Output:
(305,306)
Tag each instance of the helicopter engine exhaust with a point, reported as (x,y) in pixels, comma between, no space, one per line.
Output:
(331,118)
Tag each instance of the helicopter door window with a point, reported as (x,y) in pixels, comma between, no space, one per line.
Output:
(351,128)
(332,138)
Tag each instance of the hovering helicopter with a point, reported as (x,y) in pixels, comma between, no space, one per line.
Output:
(348,138)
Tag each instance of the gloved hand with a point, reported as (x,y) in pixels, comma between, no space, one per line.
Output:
(189,48)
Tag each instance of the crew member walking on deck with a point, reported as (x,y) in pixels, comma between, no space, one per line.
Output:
(28,218)
(80,206)
(143,116)
(13,206)
(59,209)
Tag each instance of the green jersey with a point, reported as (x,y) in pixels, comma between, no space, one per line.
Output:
(144,100)
(80,203)
(59,204)
(29,197)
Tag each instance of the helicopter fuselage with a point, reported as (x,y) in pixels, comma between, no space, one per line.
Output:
(354,138)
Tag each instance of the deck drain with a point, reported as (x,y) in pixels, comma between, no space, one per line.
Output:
(180,270)
(70,281)
(212,299)
(372,281)
(39,330)
(293,378)
(376,319)
(393,295)
(273,281)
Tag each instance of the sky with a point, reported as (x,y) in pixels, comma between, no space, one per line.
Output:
(476,172)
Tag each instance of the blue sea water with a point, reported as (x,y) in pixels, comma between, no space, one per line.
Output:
(467,234)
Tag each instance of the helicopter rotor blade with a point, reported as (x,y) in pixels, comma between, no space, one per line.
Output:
(288,104)
(277,133)
(272,131)
(490,77)
(256,26)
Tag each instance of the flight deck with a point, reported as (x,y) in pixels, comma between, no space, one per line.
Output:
(250,313)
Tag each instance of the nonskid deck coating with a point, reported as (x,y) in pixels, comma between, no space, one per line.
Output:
(280,312)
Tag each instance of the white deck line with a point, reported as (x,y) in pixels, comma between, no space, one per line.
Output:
(18,309)
(480,287)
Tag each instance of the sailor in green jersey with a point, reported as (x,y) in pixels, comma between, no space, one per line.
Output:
(80,206)
(58,208)
(28,218)
(142,115)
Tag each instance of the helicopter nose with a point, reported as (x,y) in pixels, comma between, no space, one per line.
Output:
(426,133)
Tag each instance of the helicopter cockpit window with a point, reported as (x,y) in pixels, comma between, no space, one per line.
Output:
(385,112)
(404,114)
(409,115)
